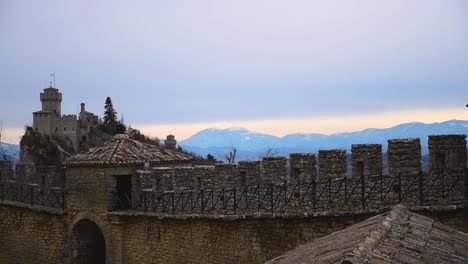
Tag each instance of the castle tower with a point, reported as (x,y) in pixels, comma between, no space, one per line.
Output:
(45,121)
(51,100)
(170,142)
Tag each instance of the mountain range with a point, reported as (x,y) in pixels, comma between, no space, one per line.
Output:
(251,145)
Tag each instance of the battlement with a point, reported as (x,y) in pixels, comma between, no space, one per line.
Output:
(298,176)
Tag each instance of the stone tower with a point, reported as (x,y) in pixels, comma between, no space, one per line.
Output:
(51,100)
(170,142)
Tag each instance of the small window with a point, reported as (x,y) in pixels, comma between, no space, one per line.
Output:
(56,129)
(83,138)
(64,128)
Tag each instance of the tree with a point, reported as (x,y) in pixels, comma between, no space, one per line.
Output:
(4,154)
(268,152)
(110,115)
(110,123)
(231,156)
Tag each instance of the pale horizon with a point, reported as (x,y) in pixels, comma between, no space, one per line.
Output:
(280,127)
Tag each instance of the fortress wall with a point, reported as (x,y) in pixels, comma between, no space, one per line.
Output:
(332,163)
(250,173)
(447,163)
(6,170)
(28,236)
(202,240)
(25,172)
(226,175)
(404,156)
(303,167)
(366,160)
(274,170)
(68,127)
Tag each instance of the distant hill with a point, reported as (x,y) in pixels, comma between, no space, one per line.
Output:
(11,150)
(251,144)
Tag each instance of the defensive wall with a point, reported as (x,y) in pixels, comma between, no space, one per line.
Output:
(229,213)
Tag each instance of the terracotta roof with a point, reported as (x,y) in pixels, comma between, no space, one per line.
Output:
(122,151)
(396,237)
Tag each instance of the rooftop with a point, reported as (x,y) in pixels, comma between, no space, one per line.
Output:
(399,236)
(123,151)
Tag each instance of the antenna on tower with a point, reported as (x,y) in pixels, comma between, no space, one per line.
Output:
(53,75)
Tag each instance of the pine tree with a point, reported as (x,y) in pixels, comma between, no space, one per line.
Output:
(110,115)
(110,123)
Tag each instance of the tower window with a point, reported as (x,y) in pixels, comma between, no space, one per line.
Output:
(64,128)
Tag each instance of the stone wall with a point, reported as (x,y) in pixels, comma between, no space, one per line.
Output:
(6,170)
(31,236)
(332,163)
(150,239)
(404,156)
(366,160)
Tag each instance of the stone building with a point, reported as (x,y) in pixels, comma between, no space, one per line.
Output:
(70,129)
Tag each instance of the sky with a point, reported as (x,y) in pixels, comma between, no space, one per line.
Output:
(270,66)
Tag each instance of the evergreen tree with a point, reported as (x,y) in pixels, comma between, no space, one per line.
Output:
(110,115)
(110,123)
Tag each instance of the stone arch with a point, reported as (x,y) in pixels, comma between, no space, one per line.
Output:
(92,225)
(88,244)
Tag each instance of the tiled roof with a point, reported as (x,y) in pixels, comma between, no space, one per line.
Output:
(122,151)
(397,237)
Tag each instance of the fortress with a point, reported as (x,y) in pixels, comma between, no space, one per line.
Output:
(70,129)
(129,202)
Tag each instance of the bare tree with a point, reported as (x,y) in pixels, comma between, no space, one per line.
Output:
(268,152)
(229,157)
(4,155)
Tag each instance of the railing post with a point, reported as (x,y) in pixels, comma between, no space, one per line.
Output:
(144,202)
(271,199)
(421,188)
(314,195)
(399,188)
(63,200)
(235,199)
(173,202)
(32,196)
(466,183)
(363,192)
(202,198)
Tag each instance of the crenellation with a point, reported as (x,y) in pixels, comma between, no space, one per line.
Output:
(303,167)
(366,160)
(193,214)
(250,173)
(226,175)
(274,170)
(332,163)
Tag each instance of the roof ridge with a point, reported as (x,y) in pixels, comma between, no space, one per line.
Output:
(115,149)
(375,237)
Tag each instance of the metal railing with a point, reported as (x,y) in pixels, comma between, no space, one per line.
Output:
(332,194)
(32,194)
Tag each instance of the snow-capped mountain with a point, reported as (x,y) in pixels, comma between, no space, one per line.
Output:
(251,144)
(10,150)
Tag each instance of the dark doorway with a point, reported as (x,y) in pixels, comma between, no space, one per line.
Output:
(124,192)
(88,244)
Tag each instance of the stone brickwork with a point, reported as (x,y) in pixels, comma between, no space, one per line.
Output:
(332,163)
(6,170)
(303,167)
(25,172)
(404,156)
(274,170)
(366,160)
(30,236)
(193,214)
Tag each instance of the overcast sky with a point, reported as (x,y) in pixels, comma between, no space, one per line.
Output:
(272,66)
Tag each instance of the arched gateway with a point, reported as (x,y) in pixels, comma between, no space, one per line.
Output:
(88,243)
